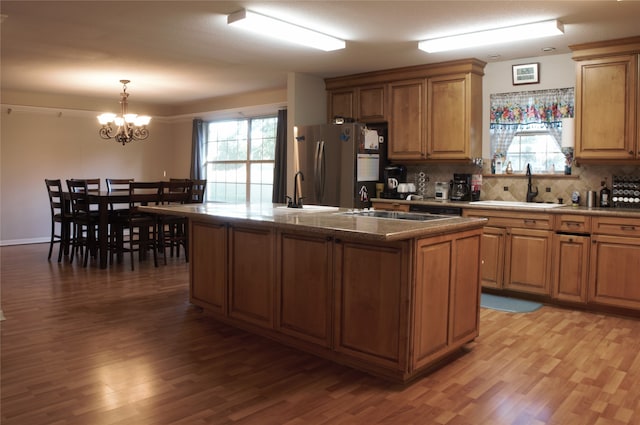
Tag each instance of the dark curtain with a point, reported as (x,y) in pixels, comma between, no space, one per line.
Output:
(280,166)
(198,141)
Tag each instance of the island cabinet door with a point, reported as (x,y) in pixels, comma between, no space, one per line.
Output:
(251,275)
(208,264)
(305,277)
(447,295)
(372,302)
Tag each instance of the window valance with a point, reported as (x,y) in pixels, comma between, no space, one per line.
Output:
(529,110)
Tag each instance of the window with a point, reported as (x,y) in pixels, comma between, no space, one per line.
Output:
(240,160)
(538,148)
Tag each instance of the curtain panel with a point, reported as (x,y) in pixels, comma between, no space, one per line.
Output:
(280,166)
(530,110)
(198,145)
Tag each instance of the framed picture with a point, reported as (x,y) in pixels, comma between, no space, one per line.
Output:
(528,73)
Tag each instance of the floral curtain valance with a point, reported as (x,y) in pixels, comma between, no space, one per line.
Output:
(529,110)
(539,106)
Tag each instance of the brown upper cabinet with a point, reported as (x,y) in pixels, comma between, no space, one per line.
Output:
(434,111)
(606,111)
(364,104)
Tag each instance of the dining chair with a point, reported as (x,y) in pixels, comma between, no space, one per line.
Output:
(61,214)
(143,227)
(117,184)
(172,230)
(117,217)
(84,240)
(93,184)
(197,189)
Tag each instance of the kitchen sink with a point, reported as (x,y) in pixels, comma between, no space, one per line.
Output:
(396,215)
(541,205)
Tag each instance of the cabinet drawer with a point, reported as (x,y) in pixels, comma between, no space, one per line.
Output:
(620,226)
(573,223)
(513,219)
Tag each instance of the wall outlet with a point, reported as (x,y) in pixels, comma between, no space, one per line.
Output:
(505,188)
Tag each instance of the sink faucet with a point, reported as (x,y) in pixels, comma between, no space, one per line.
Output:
(530,193)
(297,202)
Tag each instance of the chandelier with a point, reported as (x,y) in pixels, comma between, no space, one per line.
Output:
(129,127)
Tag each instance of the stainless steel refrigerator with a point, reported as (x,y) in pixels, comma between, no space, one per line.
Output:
(341,163)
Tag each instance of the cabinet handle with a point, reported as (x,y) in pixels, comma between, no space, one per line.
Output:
(573,223)
(570,240)
(529,221)
(630,152)
(632,228)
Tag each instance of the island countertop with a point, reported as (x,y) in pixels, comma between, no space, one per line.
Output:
(326,220)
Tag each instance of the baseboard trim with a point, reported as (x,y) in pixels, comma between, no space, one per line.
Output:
(23,241)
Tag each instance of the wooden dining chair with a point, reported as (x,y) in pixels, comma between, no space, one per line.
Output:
(143,227)
(198,188)
(93,184)
(117,218)
(84,240)
(61,215)
(172,230)
(198,191)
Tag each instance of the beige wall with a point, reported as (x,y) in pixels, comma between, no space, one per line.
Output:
(40,140)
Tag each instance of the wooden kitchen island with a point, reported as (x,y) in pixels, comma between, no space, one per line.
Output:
(391,297)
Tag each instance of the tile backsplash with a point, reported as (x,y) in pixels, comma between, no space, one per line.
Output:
(584,177)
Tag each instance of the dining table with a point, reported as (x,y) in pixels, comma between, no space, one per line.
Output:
(103,199)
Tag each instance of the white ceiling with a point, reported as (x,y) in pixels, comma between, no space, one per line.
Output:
(182,51)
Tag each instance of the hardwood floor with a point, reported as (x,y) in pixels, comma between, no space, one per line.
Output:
(96,347)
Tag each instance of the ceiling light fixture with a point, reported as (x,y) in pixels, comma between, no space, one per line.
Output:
(130,127)
(282,30)
(495,36)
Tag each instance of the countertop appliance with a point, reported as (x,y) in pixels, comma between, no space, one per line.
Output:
(341,163)
(394,175)
(461,187)
(442,191)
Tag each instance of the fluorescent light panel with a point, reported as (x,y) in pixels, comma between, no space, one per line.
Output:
(496,36)
(282,30)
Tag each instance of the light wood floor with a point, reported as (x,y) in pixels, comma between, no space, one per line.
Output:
(95,347)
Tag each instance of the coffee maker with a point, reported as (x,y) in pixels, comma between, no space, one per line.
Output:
(393,175)
(461,187)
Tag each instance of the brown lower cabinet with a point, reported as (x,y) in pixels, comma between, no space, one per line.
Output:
(614,272)
(570,267)
(393,309)
(208,266)
(577,259)
(305,282)
(516,251)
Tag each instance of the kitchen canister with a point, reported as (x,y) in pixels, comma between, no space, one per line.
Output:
(591,198)
(575,198)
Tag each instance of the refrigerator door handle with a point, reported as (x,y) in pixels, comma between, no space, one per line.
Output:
(319,171)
